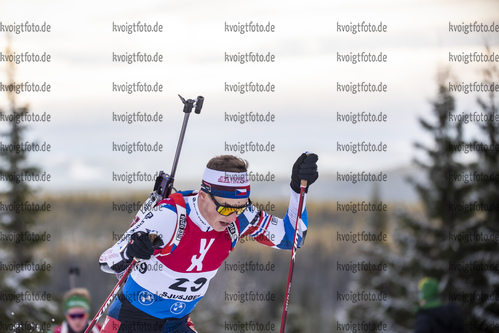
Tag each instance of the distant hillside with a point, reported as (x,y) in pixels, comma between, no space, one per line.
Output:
(394,189)
(328,187)
(83,226)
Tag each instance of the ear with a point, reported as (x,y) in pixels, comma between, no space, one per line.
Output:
(202,195)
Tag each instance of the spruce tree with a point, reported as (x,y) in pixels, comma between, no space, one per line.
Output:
(22,271)
(370,282)
(421,241)
(483,236)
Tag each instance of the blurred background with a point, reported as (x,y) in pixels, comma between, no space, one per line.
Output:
(441,201)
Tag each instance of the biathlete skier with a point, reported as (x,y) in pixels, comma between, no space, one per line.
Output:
(197,231)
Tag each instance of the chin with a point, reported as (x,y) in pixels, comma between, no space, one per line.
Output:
(222,226)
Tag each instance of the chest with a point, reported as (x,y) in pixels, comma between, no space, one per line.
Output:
(198,251)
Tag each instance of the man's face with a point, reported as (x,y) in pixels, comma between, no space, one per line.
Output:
(208,209)
(77,319)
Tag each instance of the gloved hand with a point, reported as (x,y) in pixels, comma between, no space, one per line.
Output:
(139,246)
(304,168)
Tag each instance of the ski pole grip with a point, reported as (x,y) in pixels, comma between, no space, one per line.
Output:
(304,182)
(199,104)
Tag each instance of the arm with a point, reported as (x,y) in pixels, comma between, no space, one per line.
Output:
(271,230)
(162,220)
(276,232)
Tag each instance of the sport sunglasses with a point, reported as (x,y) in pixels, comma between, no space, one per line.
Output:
(227,210)
(76,315)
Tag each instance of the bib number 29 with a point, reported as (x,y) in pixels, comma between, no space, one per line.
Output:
(198,284)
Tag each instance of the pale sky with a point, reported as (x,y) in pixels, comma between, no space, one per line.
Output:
(193,44)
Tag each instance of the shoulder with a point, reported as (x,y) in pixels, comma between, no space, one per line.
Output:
(251,214)
(167,203)
(452,308)
(164,209)
(57,329)
(177,198)
(423,322)
(249,218)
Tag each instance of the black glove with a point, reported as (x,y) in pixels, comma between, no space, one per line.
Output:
(304,168)
(139,246)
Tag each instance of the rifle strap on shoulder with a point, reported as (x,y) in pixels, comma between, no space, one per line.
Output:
(179,201)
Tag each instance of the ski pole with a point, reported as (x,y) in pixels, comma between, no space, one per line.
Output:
(303,186)
(111,296)
(152,236)
(162,189)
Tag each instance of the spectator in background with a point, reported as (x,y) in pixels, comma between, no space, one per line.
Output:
(432,316)
(76,309)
